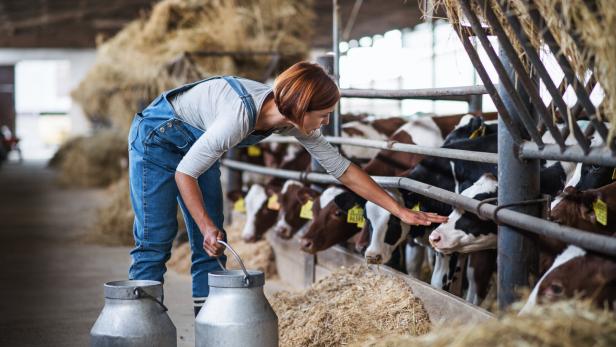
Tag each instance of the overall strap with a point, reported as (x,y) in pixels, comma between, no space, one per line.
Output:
(246,98)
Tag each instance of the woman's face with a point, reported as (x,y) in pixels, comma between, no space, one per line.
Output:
(313,120)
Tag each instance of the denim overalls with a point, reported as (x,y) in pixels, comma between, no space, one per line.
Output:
(157,142)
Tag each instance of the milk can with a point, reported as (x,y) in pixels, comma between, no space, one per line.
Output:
(134,315)
(236,312)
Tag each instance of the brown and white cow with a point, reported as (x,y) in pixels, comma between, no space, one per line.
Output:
(292,197)
(330,225)
(577,273)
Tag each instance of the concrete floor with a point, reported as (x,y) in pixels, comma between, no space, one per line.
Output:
(50,280)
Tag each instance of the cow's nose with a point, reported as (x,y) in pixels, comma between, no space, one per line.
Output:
(435,238)
(374,259)
(284,233)
(306,244)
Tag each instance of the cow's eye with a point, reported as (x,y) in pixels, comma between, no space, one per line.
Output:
(338,213)
(556,288)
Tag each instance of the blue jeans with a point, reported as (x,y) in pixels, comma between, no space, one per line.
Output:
(157,143)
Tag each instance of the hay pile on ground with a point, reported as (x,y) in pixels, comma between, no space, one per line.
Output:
(186,40)
(256,256)
(349,306)
(94,161)
(584,32)
(569,324)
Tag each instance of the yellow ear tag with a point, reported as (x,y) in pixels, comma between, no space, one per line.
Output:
(600,208)
(239,205)
(416,208)
(272,203)
(614,174)
(478,132)
(361,223)
(254,151)
(306,211)
(355,215)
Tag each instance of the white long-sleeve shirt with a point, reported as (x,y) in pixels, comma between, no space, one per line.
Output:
(214,107)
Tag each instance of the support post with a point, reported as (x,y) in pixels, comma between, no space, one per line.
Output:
(518,180)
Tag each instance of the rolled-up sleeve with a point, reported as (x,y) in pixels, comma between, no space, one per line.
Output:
(327,155)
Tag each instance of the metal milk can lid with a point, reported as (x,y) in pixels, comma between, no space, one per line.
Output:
(132,289)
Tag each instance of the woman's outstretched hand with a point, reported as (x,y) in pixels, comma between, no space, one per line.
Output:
(210,241)
(420,218)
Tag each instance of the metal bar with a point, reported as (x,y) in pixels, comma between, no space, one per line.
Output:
(599,155)
(529,85)
(450,153)
(487,82)
(565,66)
(518,180)
(505,81)
(581,238)
(557,99)
(447,93)
(336,50)
(346,33)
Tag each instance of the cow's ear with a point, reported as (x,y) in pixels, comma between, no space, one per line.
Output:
(304,194)
(347,200)
(235,195)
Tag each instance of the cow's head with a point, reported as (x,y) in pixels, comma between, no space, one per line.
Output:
(575,209)
(289,219)
(259,218)
(387,232)
(587,277)
(330,225)
(465,232)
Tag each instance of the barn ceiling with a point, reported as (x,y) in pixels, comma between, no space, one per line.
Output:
(76,23)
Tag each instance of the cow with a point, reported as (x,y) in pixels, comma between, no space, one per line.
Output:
(289,220)
(466,232)
(576,273)
(373,131)
(261,210)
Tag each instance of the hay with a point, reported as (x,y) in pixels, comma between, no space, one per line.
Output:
(568,324)
(596,47)
(258,255)
(114,224)
(347,306)
(161,51)
(94,161)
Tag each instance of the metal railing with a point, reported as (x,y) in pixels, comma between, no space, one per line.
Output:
(581,238)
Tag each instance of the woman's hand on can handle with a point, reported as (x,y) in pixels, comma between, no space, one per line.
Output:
(420,218)
(210,241)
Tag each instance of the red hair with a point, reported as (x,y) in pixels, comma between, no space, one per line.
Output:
(302,88)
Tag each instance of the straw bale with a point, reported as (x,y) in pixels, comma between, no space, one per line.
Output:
(155,52)
(94,161)
(257,256)
(349,306)
(595,50)
(568,323)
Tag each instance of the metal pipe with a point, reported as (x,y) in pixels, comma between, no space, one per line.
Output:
(481,157)
(565,66)
(505,80)
(448,93)
(599,155)
(529,85)
(336,124)
(485,78)
(581,238)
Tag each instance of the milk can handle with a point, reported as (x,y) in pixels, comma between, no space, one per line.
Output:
(237,257)
(140,293)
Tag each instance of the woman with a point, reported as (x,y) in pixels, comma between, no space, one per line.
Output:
(174,149)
